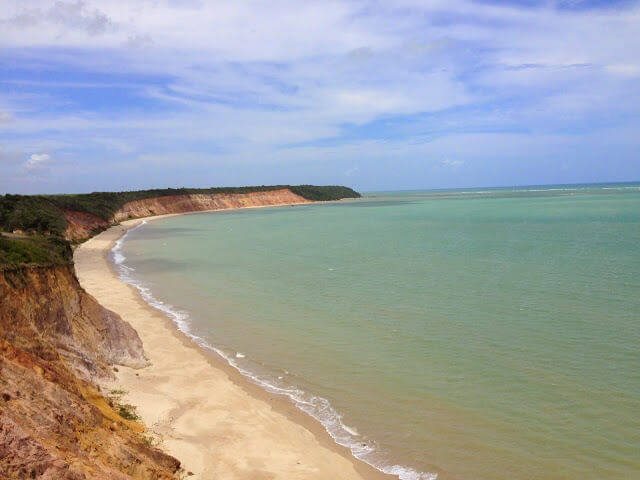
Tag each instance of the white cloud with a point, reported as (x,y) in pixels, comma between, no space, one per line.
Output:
(75,14)
(625,70)
(5,119)
(138,41)
(453,164)
(243,80)
(37,160)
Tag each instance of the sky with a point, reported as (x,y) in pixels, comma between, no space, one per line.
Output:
(377,95)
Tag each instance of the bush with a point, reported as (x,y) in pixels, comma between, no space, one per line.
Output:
(33,214)
(35,250)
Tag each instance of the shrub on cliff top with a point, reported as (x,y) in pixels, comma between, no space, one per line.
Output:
(35,250)
(33,214)
(324,193)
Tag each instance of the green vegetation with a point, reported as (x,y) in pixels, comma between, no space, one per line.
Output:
(42,217)
(125,410)
(34,214)
(148,440)
(35,250)
(325,193)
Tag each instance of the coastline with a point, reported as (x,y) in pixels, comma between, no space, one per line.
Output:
(222,426)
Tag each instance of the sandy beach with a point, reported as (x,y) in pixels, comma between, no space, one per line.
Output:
(201,410)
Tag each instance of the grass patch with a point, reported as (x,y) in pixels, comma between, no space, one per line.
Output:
(148,440)
(128,412)
(125,410)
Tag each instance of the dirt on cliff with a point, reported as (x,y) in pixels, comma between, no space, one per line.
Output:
(81,226)
(55,340)
(201,202)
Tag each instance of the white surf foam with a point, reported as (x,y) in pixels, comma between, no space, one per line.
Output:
(349,429)
(116,251)
(315,406)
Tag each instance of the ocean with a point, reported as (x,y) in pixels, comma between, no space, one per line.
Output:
(480,334)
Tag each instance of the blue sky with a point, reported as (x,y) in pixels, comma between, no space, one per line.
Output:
(376,95)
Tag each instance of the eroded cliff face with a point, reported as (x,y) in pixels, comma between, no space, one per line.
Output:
(55,339)
(198,203)
(45,307)
(80,225)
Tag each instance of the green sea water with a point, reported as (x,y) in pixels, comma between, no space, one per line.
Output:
(476,335)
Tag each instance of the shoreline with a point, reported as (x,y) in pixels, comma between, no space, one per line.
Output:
(223,426)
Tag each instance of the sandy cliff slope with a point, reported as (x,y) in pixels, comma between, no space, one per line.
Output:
(54,424)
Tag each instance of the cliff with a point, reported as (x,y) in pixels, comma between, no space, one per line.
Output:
(54,423)
(81,226)
(76,217)
(202,202)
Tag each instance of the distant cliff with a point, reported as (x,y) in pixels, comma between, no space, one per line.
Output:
(79,216)
(80,225)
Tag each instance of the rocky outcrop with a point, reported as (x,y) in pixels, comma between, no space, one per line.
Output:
(55,340)
(81,225)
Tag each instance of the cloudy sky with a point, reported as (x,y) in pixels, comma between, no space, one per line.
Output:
(377,95)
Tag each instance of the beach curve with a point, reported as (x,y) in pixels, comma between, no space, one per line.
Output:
(202,410)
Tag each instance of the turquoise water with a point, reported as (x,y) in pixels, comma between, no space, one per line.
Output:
(487,334)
